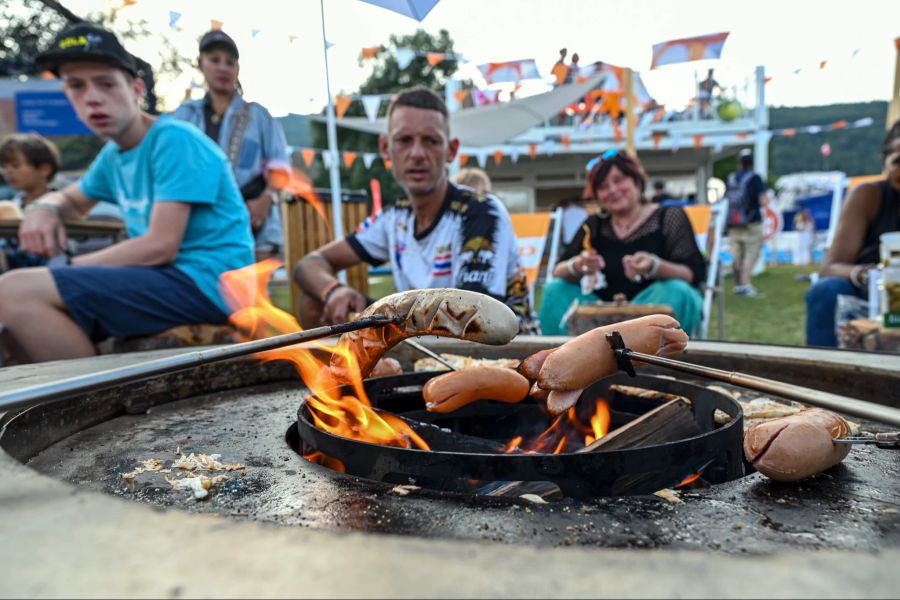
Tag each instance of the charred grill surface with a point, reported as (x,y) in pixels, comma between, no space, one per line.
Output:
(853,506)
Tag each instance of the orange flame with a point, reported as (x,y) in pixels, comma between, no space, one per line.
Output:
(350,416)
(565,433)
(691,479)
(320,458)
(300,186)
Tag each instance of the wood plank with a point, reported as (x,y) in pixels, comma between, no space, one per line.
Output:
(672,421)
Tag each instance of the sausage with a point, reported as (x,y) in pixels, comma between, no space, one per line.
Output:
(795,447)
(386,366)
(444,312)
(583,360)
(531,365)
(559,401)
(451,391)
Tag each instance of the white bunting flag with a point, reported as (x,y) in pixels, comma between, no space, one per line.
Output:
(371,104)
(327,158)
(404,57)
(482,156)
(173,18)
(514,154)
(369,158)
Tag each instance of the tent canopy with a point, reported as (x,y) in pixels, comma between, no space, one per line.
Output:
(494,124)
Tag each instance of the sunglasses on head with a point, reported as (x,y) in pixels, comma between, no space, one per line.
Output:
(609,154)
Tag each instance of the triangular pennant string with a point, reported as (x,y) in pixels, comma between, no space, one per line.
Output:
(404,57)
(349,159)
(388,164)
(368,159)
(173,18)
(498,157)
(434,58)
(370,52)
(482,155)
(463,159)
(698,141)
(216,25)
(532,151)
(308,155)
(514,154)
(461,95)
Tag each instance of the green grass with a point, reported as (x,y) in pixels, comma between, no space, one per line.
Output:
(776,318)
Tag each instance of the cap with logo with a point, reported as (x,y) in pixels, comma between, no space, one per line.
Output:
(86,42)
(217,37)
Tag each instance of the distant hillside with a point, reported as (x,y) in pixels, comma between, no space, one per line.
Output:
(853,151)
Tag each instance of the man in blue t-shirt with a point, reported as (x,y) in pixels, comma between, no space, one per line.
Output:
(745,194)
(182,209)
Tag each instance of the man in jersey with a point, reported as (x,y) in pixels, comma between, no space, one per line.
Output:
(439,235)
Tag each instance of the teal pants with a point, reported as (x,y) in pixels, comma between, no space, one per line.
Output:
(559,295)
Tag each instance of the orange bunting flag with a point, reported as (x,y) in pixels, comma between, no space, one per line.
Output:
(217,25)
(566,140)
(498,157)
(388,164)
(349,159)
(461,95)
(657,138)
(743,136)
(839,124)
(341,104)
(617,132)
(434,58)
(532,151)
(658,115)
(371,52)
(560,71)
(463,159)
(308,155)
(822,64)
(767,79)
(790,132)
(698,141)
(581,79)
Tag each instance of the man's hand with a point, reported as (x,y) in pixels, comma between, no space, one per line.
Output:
(259,210)
(341,302)
(42,232)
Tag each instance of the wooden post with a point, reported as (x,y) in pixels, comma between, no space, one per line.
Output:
(894,107)
(629,111)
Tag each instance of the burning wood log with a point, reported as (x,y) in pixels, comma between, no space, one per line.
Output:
(674,420)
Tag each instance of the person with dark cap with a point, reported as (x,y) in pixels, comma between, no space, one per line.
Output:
(181,206)
(253,140)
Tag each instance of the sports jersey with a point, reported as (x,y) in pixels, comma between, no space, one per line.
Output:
(471,245)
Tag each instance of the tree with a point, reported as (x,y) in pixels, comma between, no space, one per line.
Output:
(387,77)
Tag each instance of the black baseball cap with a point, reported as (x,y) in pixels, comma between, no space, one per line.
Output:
(87,42)
(217,37)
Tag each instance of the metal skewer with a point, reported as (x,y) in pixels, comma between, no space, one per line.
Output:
(420,348)
(850,406)
(66,388)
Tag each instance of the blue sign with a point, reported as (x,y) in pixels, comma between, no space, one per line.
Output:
(47,113)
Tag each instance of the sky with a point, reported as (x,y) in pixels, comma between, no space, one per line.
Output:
(282,56)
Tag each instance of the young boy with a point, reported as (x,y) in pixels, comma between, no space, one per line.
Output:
(183,212)
(28,163)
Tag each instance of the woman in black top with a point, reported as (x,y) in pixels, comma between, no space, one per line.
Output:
(643,253)
(870,210)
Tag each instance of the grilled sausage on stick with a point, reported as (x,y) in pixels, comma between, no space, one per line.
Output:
(444,312)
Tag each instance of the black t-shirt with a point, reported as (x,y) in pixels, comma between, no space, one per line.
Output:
(666,233)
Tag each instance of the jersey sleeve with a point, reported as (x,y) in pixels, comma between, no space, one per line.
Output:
(486,237)
(371,240)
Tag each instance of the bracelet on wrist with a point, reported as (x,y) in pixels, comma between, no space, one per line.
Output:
(654,268)
(859,276)
(570,267)
(329,290)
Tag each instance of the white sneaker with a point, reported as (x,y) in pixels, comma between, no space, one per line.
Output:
(752,292)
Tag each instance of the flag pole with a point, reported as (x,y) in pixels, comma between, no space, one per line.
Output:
(334,168)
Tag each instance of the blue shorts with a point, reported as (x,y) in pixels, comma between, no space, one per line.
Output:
(132,301)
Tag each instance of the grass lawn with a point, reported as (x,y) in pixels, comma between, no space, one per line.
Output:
(776,318)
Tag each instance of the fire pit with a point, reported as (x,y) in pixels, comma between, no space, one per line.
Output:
(69,496)
(455,460)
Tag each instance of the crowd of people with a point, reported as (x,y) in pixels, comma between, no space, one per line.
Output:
(197,192)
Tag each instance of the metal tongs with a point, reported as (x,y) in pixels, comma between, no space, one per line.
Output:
(881,440)
(850,406)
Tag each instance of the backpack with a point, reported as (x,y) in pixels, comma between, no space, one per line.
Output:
(735,195)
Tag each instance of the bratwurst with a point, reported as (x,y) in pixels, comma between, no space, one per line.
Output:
(444,312)
(583,360)
(795,447)
(451,391)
